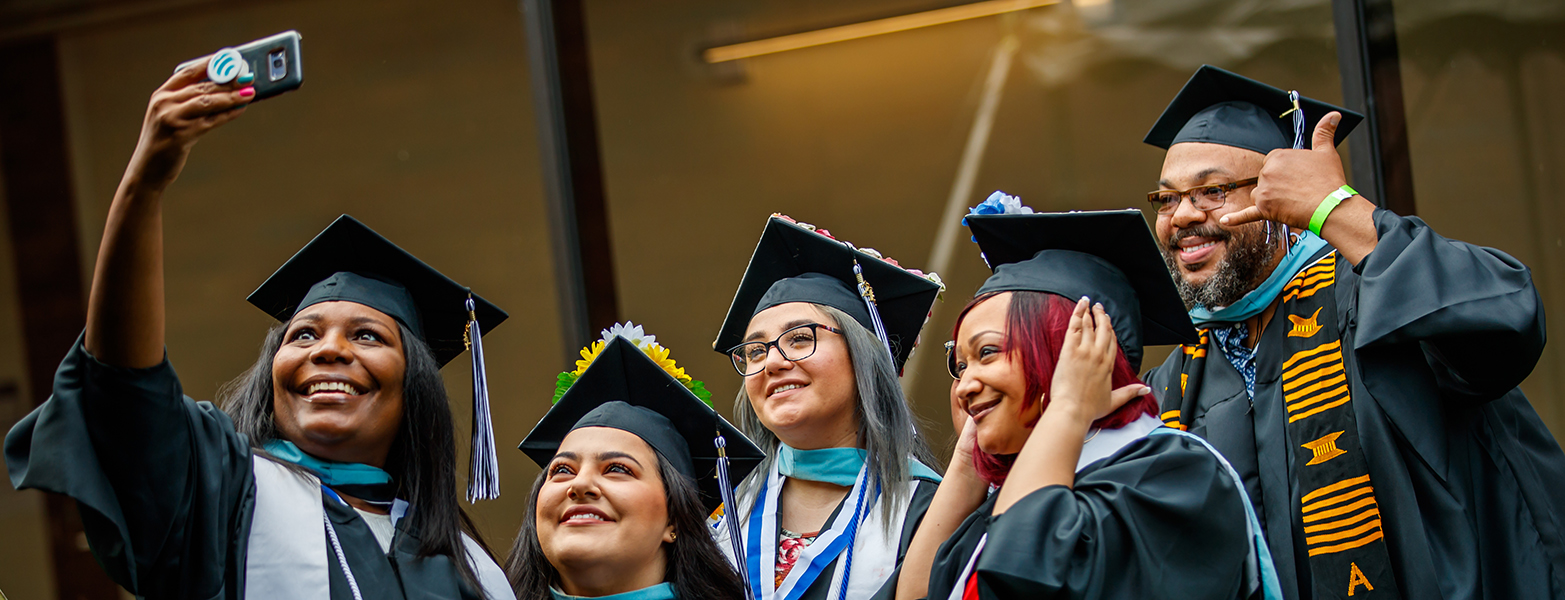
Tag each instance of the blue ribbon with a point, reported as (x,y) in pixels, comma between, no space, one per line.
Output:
(329,471)
(1261,297)
(837,466)
(661,591)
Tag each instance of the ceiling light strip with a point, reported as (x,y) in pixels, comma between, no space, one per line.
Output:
(831,35)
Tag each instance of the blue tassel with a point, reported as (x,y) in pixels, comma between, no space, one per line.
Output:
(483,476)
(729,506)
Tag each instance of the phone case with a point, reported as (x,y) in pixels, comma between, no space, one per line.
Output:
(275,61)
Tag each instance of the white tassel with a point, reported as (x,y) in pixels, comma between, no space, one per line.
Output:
(483,476)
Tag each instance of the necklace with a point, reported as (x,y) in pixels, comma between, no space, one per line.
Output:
(1092,434)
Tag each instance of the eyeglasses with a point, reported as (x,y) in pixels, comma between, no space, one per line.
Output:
(1203,198)
(951,361)
(794,345)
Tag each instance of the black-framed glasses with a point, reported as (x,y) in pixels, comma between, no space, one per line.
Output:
(794,345)
(1203,197)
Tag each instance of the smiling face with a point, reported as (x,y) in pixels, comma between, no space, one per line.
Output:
(991,386)
(337,382)
(602,508)
(811,403)
(1213,265)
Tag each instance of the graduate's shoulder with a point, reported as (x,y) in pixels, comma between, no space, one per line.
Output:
(1163,456)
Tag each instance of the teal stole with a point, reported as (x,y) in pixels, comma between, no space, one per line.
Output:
(661,591)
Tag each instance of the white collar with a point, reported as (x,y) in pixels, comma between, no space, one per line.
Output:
(1109,441)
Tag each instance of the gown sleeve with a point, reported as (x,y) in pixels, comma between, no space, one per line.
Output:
(1474,309)
(1161,519)
(163,483)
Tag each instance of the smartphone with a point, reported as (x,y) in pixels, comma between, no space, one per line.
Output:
(274,60)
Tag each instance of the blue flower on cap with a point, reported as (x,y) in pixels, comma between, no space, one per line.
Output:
(998,203)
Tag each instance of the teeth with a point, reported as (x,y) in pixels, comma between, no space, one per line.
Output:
(1194,248)
(332,386)
(584,517)
(791,386)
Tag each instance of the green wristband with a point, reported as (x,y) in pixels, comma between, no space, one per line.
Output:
(1327,205)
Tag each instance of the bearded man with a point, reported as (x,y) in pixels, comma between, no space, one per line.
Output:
(1357,369)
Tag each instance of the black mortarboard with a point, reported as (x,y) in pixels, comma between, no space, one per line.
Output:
(795,264)
(349,262)
(624,389)
(1221,107)
(1108,256)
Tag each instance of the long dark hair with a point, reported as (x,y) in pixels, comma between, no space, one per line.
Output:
(422,458)
(1035,329)
(696,567)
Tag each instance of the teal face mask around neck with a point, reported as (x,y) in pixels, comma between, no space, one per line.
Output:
(1258,299)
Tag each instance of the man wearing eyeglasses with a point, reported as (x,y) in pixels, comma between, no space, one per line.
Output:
(1356,368)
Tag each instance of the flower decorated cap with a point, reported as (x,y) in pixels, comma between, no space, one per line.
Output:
(797,262)
(349,262)
(1220,107)
(623,387)
(1108,256)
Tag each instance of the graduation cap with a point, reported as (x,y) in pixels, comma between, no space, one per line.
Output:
(349,262)
(1108,256)
(796,263)
(1221,107)
(625,389)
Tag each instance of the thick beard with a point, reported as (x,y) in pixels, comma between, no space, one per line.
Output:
(1250,252)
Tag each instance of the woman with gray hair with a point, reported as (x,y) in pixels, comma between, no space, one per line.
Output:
(820,331)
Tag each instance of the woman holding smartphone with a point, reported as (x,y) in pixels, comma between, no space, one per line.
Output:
(330,470)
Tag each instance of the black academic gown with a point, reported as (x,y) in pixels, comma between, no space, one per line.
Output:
(166,492)
(1468,478)
(1160,518)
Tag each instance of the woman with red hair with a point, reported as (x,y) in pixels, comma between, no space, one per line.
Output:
(1064,483)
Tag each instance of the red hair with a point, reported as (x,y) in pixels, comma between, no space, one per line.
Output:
(1035,328)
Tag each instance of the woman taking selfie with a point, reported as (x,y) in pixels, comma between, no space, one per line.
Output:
(820,332)
(1060,487)
(630,472)
(330,471)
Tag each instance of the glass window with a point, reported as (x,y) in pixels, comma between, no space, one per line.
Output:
(868,137)
(1481,88)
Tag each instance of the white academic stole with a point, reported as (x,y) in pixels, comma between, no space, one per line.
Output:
(286,554)
(867,565)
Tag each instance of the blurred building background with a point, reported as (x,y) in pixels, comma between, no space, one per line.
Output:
(590,163)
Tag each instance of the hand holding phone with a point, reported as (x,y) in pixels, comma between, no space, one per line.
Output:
(274,62)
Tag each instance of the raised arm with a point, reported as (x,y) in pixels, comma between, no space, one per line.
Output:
(125,311)
(961,491)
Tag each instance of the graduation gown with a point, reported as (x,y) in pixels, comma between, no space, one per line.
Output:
(923,491)
(168,493)
(1466,474)
(1161,517)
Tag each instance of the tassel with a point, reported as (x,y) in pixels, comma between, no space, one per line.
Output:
(1298,120)
(729,507)
(868,294)
(483,476)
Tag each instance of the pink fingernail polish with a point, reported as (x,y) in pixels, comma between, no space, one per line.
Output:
(247,92)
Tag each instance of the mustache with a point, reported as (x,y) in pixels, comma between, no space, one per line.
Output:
(1211,232)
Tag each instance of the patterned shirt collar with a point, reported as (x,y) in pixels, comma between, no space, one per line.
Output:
(1231,339)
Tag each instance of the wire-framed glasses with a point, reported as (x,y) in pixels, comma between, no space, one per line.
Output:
(1203,197)
(794,345)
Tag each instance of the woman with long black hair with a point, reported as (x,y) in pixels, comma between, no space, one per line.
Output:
(633,462)
(330,471)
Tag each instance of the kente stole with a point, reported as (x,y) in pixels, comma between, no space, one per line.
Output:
(1335,501)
